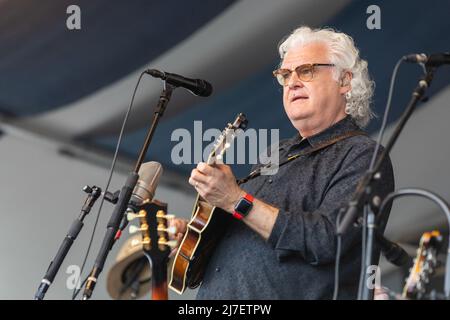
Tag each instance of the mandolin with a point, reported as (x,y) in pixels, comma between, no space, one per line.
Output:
(424,265)
(206,226)
(155,244)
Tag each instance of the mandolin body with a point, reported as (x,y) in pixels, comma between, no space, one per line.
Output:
(203,232)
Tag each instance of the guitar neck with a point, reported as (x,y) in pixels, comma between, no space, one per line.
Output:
(159,281)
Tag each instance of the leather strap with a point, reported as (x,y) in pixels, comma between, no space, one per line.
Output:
(257,172)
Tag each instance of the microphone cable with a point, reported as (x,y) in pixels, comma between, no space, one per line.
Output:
(113,164)
(386,112)
(372,164)
(337,260)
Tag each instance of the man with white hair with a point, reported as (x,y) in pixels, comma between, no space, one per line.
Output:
(282,244)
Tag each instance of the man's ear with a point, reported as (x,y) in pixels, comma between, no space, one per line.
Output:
(345,82)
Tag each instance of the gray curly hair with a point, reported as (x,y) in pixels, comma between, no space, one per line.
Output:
(345,56)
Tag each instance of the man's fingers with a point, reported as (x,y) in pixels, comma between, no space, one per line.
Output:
(178,226)
(205,168)
(173,252)
(197,177)
(195,183)
(178,237)
(223,167)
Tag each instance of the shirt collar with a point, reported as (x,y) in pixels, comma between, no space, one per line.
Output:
(345,125)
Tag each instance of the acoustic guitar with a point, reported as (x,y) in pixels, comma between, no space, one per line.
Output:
(206,225)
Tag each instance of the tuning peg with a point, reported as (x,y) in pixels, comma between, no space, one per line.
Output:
(131,215)
(161,214)
(170,243)
(171,230)
(134,229)
(137,242)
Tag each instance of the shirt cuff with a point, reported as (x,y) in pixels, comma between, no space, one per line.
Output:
(287,235)
(278,228)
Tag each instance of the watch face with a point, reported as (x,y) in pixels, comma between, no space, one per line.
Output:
(243,206)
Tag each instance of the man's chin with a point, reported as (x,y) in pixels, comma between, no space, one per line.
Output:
(300,109)
(300,116)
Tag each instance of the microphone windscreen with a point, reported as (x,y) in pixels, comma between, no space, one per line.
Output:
(149,175)
(206,89)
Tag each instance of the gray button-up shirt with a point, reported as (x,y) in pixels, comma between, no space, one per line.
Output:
(297,261)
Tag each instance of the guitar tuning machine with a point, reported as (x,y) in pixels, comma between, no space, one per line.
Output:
(161,215)
(131,215)
(171,243)
(138,242)
(134,229)
(170,230)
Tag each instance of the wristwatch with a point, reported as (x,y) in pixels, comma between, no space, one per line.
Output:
(243,207)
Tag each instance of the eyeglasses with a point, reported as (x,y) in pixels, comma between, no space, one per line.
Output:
(305,72)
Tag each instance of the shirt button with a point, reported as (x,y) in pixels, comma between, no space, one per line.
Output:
(270,180)
(217,269)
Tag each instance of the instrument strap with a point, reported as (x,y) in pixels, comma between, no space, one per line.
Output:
(257,172)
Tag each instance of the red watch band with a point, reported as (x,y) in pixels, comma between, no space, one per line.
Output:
(247,197)
(237,215)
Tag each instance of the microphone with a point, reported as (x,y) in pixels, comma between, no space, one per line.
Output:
(392,251)
(198,87)
(149,175)
(432,60)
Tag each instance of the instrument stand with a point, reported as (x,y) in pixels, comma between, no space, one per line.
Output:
(125,196)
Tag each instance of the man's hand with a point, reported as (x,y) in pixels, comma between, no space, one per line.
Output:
(180,230)
(217,185)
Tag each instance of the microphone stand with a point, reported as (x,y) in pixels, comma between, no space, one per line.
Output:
(125,196)
(365,191)
(75,228)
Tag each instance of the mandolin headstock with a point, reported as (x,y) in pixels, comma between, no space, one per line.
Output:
(223,142)
(424,266)
(154,229)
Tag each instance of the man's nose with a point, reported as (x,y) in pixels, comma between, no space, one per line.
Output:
(294,81)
